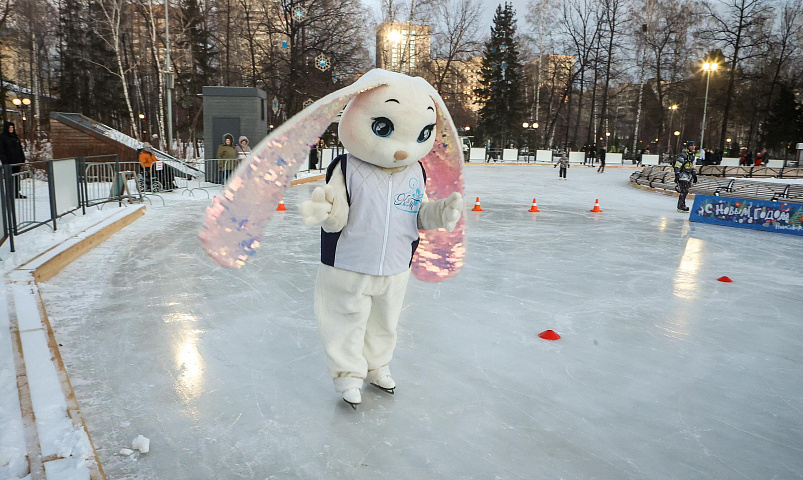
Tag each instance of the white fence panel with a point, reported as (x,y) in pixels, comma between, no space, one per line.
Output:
(576,157)
(510,155)
(543,156)
(477,154)
(649,159)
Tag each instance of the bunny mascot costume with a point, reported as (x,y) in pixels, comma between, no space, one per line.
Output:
(376,198)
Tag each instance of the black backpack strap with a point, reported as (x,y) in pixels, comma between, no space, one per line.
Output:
(340,159)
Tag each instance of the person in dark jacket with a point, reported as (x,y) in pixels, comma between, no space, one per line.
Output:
(685,175)
(602,154)
(11,154)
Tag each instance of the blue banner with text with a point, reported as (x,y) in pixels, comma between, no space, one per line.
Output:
(778,217)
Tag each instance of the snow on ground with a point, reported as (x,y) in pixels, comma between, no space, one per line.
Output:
(662,372)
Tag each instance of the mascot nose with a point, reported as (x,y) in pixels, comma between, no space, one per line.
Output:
(400,155)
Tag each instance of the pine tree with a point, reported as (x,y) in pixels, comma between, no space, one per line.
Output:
(84,85)
(501,92)
(199,42)
(785,120)
(71,70)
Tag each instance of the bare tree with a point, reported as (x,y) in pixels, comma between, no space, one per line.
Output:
(580,29)
(612,18)
(6,6)
(455,36)
(147,10)
(785,43)
(667,50)
(112,22)
(738,26)
(541,15)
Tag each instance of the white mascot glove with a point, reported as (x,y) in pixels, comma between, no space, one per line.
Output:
(452,209)
(316,210)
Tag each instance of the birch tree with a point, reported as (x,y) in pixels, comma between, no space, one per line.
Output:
(113,12)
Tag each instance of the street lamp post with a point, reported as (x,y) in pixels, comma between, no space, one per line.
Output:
(673,109)
(22,104)
(530,128)
(708,68)
(142,126)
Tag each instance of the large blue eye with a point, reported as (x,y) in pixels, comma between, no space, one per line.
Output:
(425,133)
(382,126)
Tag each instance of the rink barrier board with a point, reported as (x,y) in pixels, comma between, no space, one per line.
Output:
(25,279)
(30,434)
(768,216)
(54,264)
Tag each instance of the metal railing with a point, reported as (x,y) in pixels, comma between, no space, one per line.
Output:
(34,194)
(663,178)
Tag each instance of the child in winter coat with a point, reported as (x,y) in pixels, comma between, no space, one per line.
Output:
(564,164)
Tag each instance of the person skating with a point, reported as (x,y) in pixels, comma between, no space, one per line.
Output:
(563,162)
(685,175)
(602,153)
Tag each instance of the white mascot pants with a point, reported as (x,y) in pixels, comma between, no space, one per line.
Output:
(357,317)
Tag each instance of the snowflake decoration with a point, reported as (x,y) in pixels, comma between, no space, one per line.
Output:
(308,102)
(322,62)
(299,12)
(275,105)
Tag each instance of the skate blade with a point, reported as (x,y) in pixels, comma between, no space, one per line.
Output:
(386,390)
(353,405)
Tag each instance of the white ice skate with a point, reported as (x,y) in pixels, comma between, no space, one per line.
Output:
(385,383)
(353,397)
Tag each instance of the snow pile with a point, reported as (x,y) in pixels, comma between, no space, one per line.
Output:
(13,461)
(143,444)
(32,243)
(37,151)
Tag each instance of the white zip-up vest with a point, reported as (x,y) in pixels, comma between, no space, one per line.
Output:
(381,234)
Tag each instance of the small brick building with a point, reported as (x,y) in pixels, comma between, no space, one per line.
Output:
(74,135)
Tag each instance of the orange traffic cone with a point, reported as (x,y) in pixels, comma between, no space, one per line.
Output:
(596,207)
(477,207)
(534,208)
(281,207)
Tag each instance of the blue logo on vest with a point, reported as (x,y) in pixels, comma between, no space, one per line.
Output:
(409,201)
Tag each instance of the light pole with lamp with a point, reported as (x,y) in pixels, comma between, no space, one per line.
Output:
(673,109)
(142,118)
(708,68)
(677,140)
(728,141)
(22,103)
(529,128)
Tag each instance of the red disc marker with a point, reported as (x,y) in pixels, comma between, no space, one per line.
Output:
(549,335)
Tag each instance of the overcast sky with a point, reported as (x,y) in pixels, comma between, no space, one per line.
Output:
(488,5)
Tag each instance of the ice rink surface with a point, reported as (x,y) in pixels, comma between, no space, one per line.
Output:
(662,372)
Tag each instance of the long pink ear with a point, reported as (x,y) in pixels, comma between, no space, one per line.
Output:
(441,254)
(232,229)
